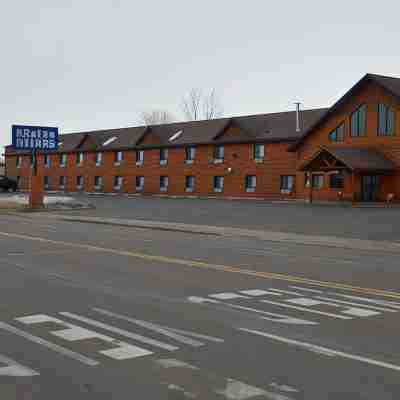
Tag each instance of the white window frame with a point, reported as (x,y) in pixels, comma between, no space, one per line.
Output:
(99,158)
(62,182)
(140,159)
(119,157)
(139,188)
(165,160)
(252,188)
(118,182)
(218,189)
(217,158)
(166,180)
(190,189)
(188,151)
(63,160)
(80,158)
(290,186)
(261,157)
(100,186)
(81,185)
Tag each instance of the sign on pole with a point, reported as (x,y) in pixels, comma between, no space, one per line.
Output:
(34,138)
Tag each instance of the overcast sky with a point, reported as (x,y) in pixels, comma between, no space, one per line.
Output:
(94,64)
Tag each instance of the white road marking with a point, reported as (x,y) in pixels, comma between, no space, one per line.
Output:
(227,296)
(74,333)
(304,301)
(305,309)
(324,350)
(173,363)
(258,292)
(14,368)
(283,388)
(164,330)
(59,349)
(377,302)
(356,304)
(306,289)
(121,332)
(286,292)
(278,317)
(201,300)
(360,312)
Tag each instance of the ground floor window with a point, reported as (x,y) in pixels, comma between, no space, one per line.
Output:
(251,183)
(118,182)
(163,183)
(287,183)
(336,181)
(218,184)
(18,182)
(190,183)
(46,182)
(62,182)
(317,181)
(79,182)
(139,183)
(98,182)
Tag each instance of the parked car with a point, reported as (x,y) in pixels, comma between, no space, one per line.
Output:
(6,184)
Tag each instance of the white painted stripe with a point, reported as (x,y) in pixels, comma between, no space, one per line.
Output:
(356,304)
(304,301)
(378,302)
(38,319)
(125,351)
(201,300)
(49,345)
(305,309)
(197,335)
(307,289)
(325,350)
(286,292)
(121,332)
(227,296)
(281,318)
(360,312)
(14,368)
(258,292)
(154,327)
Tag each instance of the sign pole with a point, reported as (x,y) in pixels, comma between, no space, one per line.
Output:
(36,195)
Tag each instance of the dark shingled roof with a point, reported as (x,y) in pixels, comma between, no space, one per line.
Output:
(275,127)
(357,159)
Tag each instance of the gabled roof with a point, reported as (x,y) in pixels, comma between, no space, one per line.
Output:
(391,84)
(355,158)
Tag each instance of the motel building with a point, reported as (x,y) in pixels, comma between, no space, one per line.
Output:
(350,151)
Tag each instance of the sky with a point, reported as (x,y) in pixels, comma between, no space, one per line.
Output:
(97,64)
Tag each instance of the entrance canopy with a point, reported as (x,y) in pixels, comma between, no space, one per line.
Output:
(348,158)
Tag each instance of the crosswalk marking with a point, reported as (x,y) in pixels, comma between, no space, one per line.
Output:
(258,292)
(356,304)
(360,312)
(285,291)
(120,332)
(75,333)
(13,368)
(52,346)
(227,296)
(304,301)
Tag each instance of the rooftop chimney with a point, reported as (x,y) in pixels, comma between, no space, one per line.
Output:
(298,116)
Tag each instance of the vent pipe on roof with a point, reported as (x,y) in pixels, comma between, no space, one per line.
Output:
(298,129)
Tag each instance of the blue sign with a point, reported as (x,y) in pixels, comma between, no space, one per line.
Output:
(34,138)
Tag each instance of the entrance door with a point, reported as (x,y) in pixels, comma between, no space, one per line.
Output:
(370,187)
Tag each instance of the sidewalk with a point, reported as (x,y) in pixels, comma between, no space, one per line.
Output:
(270,236)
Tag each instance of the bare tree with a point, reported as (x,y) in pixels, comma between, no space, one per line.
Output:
(156,117)
(197,105)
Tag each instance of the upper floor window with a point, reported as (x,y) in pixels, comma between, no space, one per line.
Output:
(190,154)
(359,122)
(63,160)
(258,152)
(18,161)
(99,159)
(79,158)
(118,157)
(219,153)
(163,156)
(46,160)
(139,157)
(386,120)
(337,135)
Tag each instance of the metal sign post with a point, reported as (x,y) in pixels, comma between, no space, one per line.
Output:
(35,139)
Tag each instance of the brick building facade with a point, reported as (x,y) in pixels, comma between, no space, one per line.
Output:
(351,150)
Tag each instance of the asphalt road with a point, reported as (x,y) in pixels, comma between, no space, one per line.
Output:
(101,312)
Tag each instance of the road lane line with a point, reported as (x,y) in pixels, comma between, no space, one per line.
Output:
(227,296)
(324,350)
(121,332)
(350,303)
(326,314)
(13,368)
(52,346)
(154,327)
(258,292)
(286,292)
(305,301)
(215,267)
(307,289)
(378,302)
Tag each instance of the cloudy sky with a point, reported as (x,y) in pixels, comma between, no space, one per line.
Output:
(91,64)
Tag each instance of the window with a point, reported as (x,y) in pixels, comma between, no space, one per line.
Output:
(190,183)
(258,152)
(287,183)
(386,121)
(139,183)
(79,158)
(218,184)
(46,161)
(118,182)
(337,135)
(251,183)
(79,182)
(98,182)
(163,156)
(163,183)
(63,160)
(190,154)
(359,121)
(219,154)
(336,181)
(99,159)
(62,182)
(317,181)
(118,157)
(139,157)
(18,162)
(46,182)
